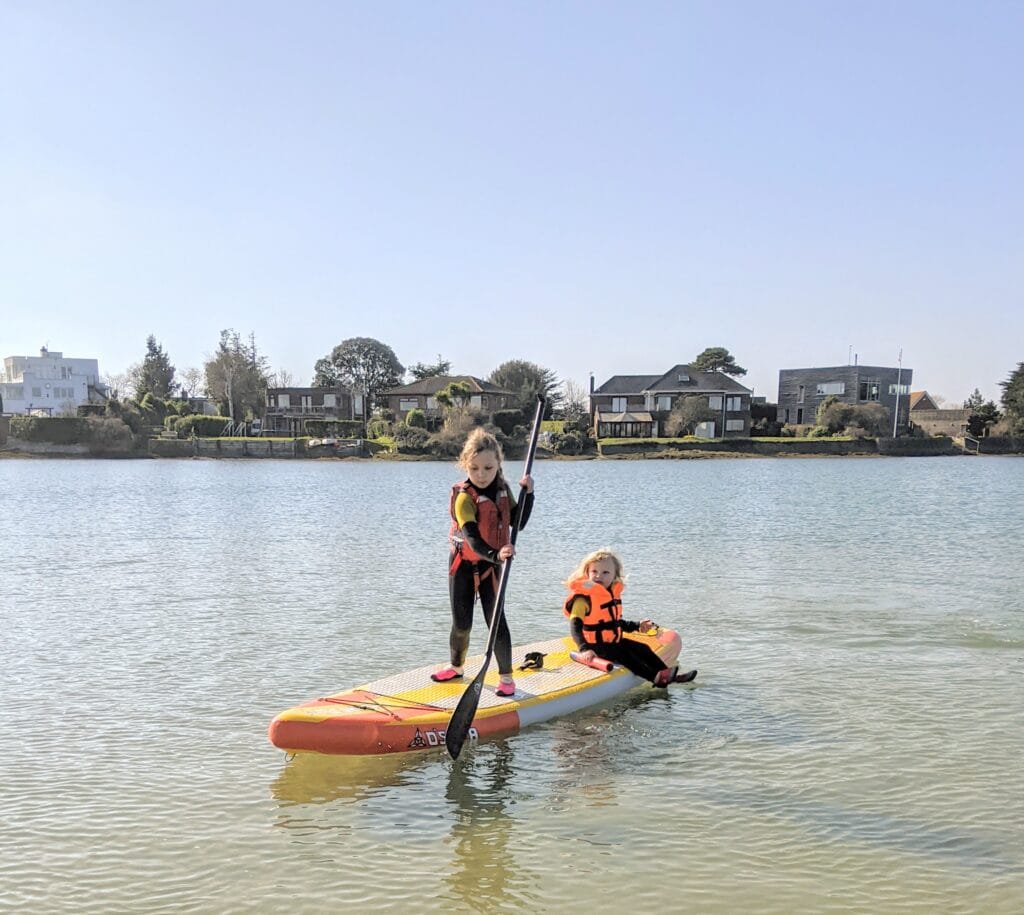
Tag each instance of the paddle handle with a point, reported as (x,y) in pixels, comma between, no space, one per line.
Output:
(596,663)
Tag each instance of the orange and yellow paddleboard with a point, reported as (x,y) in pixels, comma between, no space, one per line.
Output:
(410,712)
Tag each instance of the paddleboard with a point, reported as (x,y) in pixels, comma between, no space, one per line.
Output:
(409,712)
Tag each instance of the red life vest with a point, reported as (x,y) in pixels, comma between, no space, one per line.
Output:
(602,624)
(493,519)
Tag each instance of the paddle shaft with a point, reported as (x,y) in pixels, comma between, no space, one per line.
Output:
(462,717)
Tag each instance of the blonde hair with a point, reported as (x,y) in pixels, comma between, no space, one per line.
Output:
(603,553)
(480,440)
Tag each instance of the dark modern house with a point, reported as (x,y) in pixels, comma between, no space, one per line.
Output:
(288,408)
(638,406)
(802,390)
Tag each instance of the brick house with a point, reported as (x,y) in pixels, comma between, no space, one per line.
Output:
(801,391)
(422,395)
(638,406)
(288,409)
(926,415)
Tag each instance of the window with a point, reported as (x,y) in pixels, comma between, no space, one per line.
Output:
(618,405)
(899,389)
(405,404)
(800,394)
(664,402)
(37,392)
(683,377)
(799,415)
(785,417)
(431,403)
(715,402)
(283,400)
(474,402)
(832,387)
(329,400)
(307,401)
(869,390)
(734,405)
(734,425)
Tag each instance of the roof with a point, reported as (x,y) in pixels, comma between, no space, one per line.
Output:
(627,417)
(434,384)
(680,378)
(922,400)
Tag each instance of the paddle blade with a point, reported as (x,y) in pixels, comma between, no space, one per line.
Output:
(462,717)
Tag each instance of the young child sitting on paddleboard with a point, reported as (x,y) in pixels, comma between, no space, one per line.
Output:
(482,508)
(594,608)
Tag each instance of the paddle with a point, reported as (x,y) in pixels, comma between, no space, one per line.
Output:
(462,717)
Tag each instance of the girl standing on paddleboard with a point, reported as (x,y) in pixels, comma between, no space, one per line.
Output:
(481,508)
(594,608)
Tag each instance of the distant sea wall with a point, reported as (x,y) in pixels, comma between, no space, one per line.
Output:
(5,425)
(255,448)
(905,447)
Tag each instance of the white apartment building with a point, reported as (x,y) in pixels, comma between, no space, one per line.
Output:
(49,384)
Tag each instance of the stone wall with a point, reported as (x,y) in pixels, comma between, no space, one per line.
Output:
(941,422)
(5,425)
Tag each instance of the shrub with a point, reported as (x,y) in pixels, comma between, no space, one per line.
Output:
(507,420)
(416,418)
(340,428)
(411,439)
(199,425)
(819,432)
(567,442)
(107,434)
(378,428)
(56,430)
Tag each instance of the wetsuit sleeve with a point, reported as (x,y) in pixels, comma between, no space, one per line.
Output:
(577,611)
(527,509)
(465,517)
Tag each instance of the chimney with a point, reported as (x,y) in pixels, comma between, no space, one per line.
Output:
(591,382)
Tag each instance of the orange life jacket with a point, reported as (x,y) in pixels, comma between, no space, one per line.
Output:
(493,518)
(602,624)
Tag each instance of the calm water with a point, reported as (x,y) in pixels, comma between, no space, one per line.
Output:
(854,742)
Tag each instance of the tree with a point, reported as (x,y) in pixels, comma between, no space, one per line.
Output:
(688,413)
(193,383)
(455,399)
(982,414)
(526,380)
(282,378)
(157,375)
(121,384)
(236,376)
(362,365)
(718,359)
(1013,399)
(575,403)
(420,370)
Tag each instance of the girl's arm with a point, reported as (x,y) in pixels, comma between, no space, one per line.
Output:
(577,611)
(465,517)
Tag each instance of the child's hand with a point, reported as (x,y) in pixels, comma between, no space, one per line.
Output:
(527,483)
(506,552)
(587,656)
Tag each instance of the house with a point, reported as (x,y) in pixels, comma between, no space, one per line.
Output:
(926,415)
(801,391)
(50,384)
(422,395)
(638,406)
(288,408)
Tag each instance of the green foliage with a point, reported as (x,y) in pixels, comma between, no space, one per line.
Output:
(107,435)
(568,442)
(419,371)
(834,416)
(156,375)
(507,420)
(687,414)
(416,418)
(819,432)
(1013,400)
(199,425)
(526,380)
(336,428)
(411,440)
(361,365)
(55,430)
(378,428)
(717,359)
(236,376)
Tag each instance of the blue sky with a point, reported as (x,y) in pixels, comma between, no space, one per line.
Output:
(606,187)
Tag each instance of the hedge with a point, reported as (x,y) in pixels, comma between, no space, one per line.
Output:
(57,430)
(340,428)
(198,424)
